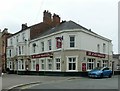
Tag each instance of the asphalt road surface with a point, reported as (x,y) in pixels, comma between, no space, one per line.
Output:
(78,83)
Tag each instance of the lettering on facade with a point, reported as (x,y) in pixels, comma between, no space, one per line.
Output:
(42,55)
(88,53)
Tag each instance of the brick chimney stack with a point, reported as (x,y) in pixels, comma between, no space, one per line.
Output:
(56,20)
(47,17)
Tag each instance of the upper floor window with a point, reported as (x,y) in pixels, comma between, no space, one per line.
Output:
(104,48)
(42,46)
(49,45)
(98,47)
(17,38)
(34,47)
(11,41)
(10,53)
(19,50)
(72,41)
(22,49)
(23,36)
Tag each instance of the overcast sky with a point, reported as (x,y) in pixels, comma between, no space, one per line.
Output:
(101,16)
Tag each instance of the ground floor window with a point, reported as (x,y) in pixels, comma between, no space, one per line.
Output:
(72,63)
(19,63)
(22,63)
(49,64)
(33,64)
(57,64)
(10,65)
(105,62)
(42,64)
(98,63)
(90,63)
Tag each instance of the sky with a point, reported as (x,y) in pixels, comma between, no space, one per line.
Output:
(101,16)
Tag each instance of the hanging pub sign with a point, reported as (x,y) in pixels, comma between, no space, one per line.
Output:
(88,53)
(42,55)
(59,42)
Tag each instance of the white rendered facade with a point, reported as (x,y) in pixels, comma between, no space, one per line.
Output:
(17,50)
(83,41)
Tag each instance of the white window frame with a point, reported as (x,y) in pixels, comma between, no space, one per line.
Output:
(19,50)
(104,47)
(76,68)
(11,41)
(98,61)
(72,41)
(42,46)
(42,63)
(55,63)
(98,48)
(104,63)
(23,36)
(48,64)
(92,61)
(19,65)
(10,65)
(33,65)
(49,44)
(22,64)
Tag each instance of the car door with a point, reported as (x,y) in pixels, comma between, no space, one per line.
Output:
(106,72)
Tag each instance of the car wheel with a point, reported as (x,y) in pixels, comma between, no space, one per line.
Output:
(110,75)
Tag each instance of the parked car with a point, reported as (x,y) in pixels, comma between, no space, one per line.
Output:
(100,72)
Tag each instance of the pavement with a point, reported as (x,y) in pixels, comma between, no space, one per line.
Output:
(10,81)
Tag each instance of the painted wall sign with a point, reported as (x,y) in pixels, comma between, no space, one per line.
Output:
(88,53)
(42,55)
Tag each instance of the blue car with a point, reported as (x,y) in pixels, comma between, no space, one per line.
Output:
(100,72)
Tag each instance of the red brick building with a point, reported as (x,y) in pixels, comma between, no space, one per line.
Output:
(4,37)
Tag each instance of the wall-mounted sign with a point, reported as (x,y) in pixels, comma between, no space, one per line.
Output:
(42,55)
(59,42)
(88,53)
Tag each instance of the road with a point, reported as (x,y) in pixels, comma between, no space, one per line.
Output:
(58,82)
(78,83)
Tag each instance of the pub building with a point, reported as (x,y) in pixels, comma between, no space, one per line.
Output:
(66,48)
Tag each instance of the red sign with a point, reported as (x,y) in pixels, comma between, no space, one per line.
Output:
(42,55)
(59,42)
(88,53)
(83,66)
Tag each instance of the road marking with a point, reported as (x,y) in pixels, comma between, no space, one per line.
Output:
(28,86)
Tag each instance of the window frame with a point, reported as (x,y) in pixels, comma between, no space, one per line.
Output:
(91,62)
(72,42)
(56,63)
(49,44)
(76,60)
